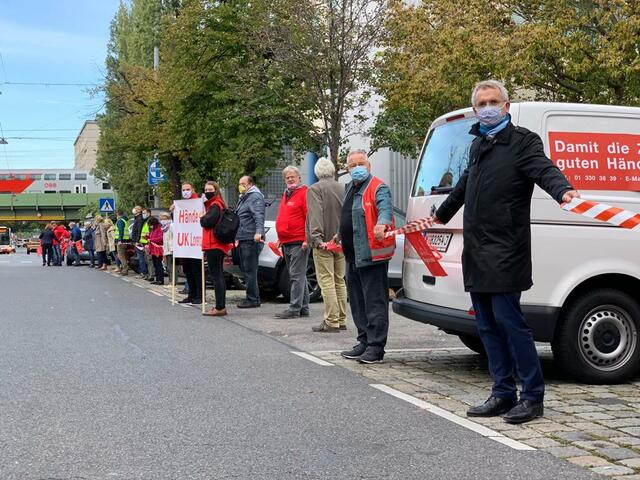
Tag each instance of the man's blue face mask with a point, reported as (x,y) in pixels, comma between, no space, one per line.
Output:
(490,115)
(359,173)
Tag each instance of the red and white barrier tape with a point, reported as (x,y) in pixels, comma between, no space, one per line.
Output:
(412,226)
(603,212)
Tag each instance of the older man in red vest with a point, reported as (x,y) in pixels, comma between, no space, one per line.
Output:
(367,213)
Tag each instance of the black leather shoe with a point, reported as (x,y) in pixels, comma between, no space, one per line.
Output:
(304,312)
(184,291)
(186,300)
(287,314)
(493,407)
(524,411)
(355,352)
(196,301)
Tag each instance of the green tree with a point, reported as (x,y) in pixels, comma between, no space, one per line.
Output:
(560,50)
(327,46)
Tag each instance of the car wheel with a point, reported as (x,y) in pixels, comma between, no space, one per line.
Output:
(284,285)
(473,343)
(27,251)
(596,340)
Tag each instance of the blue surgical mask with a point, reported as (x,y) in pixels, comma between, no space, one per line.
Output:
(359,173)
(490,116)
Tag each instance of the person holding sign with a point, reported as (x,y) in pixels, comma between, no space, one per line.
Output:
(213,247)
(505,162)
(187,245)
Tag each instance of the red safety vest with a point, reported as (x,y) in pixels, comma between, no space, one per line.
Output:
(380,249)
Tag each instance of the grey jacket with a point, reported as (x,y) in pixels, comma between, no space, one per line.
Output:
(324,206)
(250,210)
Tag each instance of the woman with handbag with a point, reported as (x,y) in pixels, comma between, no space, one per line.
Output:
(215,250)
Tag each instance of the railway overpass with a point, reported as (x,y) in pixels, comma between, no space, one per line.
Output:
(47,206)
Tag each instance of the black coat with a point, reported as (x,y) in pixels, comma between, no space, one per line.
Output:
(496,191)
(47,236)
(136,230)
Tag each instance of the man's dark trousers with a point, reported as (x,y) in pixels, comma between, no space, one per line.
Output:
(249,255)
(508,340)
(368,290)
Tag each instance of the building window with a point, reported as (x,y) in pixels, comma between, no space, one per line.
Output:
(80,176)
(84,189)
(50,191)
(49,176)
(64,176)
(76,188)
(106,186)
(65,191)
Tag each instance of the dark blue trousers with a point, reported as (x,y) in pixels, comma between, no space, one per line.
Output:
(508,340)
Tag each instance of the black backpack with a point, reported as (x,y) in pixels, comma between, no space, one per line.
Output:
(227,227)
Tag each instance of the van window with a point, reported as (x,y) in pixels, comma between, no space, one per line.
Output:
(445,157)
(64,176)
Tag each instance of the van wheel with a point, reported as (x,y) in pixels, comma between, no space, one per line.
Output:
(596,340)
(473,343)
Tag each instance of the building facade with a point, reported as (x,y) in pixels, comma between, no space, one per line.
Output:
(86,146)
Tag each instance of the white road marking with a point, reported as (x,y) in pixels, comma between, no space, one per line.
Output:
(463,422)
(313,359)
(26,261)
(156,293)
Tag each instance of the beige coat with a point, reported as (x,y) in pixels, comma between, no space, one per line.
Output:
(324,207)
(101,242)
(111,238)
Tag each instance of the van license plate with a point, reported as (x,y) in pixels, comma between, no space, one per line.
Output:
(439,241)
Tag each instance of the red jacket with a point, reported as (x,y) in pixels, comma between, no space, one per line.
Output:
(292,216)
(155,241)
(209,240)
(61,233)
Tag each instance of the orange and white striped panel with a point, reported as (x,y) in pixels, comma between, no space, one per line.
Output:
(606,213)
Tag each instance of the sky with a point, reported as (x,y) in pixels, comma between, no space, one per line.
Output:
(49,41)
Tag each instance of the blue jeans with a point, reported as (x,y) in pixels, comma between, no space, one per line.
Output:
(73,255)
(249,253)
(508,340)
(142,263)
(57,255)
(92,257)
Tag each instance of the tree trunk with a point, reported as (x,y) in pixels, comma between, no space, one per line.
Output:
(175,165)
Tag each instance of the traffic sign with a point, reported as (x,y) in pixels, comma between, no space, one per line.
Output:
(107,205)
(155,174)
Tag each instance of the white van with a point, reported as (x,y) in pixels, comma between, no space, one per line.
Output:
(586,295)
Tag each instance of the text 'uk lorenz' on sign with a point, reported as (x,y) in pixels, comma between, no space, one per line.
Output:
(187,232)
(597,161)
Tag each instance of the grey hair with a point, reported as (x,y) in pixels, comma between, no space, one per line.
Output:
(324,168)
(290,168)
(495,84)
(358,152)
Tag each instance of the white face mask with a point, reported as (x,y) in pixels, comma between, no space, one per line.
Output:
(186,194)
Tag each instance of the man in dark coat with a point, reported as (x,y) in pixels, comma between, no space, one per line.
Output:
(505,162)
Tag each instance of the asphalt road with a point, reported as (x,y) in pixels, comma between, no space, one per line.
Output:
(102,379)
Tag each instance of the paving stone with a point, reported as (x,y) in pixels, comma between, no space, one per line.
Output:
(616,453)
(594,416)
(579,409)
(623,422)
(575,436)
(565,452)
(628,477)
(589,461)
(523,434)
(542,442)
(630,462)
(595,444)
(631,431)
(612,470)
(626,440)
(551,427)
